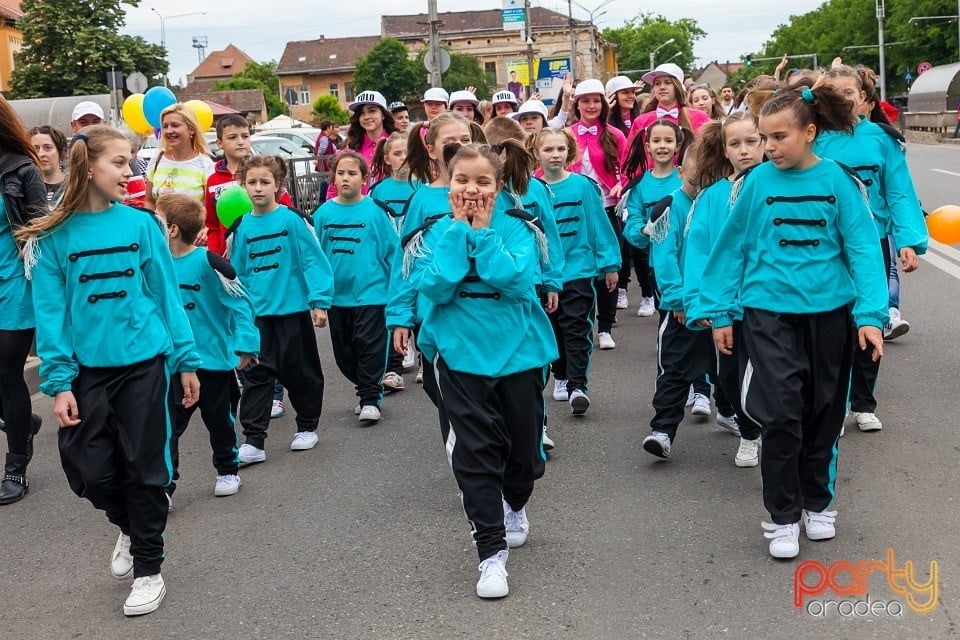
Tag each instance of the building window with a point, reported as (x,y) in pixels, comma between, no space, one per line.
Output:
(490,71)
(348,91)
(304,94)
(335,90)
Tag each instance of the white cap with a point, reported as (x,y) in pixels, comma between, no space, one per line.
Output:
(436,94)
(87,108)
(587,88)
(368,97)
(665,69)
(463,96)
(619,83)
(504,96)
(531,106)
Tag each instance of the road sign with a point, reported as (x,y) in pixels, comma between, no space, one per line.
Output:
(907,77)
(924,66)
(513,15)
(136,82)
(444,57)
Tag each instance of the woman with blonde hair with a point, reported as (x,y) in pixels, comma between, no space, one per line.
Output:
(183,163)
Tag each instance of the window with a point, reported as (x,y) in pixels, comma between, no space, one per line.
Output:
(335,90)
(490,72)
(348,91)
(304,94)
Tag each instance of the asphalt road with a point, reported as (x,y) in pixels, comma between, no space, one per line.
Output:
(363,537)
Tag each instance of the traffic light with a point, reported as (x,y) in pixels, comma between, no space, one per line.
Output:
(749,61)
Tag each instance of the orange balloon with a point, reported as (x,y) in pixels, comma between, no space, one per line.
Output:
(944,224)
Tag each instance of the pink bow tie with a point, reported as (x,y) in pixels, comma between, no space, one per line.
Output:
(581,130)
(663,113)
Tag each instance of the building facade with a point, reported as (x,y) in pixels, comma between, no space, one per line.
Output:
(11,40)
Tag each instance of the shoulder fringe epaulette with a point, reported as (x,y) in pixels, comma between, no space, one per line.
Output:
(658,226)
(413,246)
(738,185)
(534,224)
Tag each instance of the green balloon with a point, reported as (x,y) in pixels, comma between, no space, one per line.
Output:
(233,203)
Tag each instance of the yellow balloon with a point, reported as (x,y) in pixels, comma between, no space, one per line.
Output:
(203,112)
(132,111)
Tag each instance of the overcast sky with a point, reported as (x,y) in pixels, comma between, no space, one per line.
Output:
(261,29)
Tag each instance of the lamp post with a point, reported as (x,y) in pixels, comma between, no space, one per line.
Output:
(163,30)
(918,18)
(594,14)
(653,54)
(881,13)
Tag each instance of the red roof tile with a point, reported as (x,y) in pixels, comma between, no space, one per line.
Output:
(459,22)
(219,64)
(324,55)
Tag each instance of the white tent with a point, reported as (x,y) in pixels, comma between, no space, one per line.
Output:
(283,122)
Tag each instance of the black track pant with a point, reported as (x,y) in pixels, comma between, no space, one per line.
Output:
(14,393)
(700,383)
(432,389)
(794,385)
(288,352)
(118,457)
(607,300)
(494,445)
(863,377)
(728,387)
(682,356)
(214,406)
(359,338)
(639,259)
(573,327)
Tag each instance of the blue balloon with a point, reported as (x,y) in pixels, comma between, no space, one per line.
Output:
(154,102)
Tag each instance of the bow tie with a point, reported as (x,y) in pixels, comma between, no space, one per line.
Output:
(581,130)
(663,113)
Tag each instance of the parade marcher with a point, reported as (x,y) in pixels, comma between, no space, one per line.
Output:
(370,120)
(51,147)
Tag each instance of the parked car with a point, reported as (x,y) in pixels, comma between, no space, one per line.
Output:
(304,137)
(304,183)
(151,147)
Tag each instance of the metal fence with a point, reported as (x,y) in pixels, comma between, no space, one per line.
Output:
(307,185)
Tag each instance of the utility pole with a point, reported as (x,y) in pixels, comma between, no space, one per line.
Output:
(881,14)
(529,28)
(573,43)
(434,51)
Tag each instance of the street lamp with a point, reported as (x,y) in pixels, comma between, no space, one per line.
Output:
(163,30)
(595,13)
(917,18)
(881,14)
(653,54)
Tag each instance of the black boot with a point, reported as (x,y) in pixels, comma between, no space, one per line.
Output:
(35,423)
(15,485)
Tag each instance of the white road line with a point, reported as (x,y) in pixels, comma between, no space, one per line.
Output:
(943,264)
(949,173)
(945,250)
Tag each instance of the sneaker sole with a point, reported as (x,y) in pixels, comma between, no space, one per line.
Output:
(579,406)
(644,314)
(868,428)
(789,555)
(515,542)
(897,333)
(653,446)
(548,447)
(247,463)
(728,428)
(564,398)
(302,447)
(128,574)
(492,595)
(700,413)
(224,494)
(149,607)
(746,464)
(818,537)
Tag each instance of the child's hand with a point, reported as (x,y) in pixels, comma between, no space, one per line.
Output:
(471,89)
(615,191)
(319,317)
(462,211)
(909,259)
(553,301)
(611,280)
(723,336)
(680,317)
(401,337)
(871,336)
(705,324)
(201,240)
(246,360)
(484,210)
(65,408)
(191,388)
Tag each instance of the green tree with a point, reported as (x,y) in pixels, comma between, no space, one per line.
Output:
(464,71)
(645,32)
(328,107)
(258,75)
(387,68)
(69,47)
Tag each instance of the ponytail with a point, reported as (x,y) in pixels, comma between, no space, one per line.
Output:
(421,166)
(378,165)
(518,165)
(712,163)
(821,105)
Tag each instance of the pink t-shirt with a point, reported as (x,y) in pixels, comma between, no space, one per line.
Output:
(367,149)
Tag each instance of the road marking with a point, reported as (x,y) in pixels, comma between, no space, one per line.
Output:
(945,250)
(949,173)
(943,264)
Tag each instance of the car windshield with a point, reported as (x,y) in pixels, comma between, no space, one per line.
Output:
(278,146)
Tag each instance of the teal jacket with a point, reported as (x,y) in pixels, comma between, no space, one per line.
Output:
(881,164)
(538,203)
(797,241)
(394,195)
(105,295)
(590,247)
(667,247)
(279,261)
(710,209)
(219,311)
(642,194)
(486,318)
(361,244)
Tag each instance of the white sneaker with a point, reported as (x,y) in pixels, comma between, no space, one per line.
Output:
(896,327)
(410,357)
(357,409)
(605,341)
(690,396)
(867,421)
(560,391)
(701,405)
(622,302)
(647,308)
(579,402)
(748,453)
(548,444)
(276,409)
(369,413)
(249,454)
(728,423)
(304,440)
(420,375)
(657,443)
(226,485)
(516,524)
(784,539)
(819,525)
(392,381)
(121,562)
(493,576)
(145,596)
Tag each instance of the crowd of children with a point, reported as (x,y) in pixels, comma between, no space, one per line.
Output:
(759,233)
